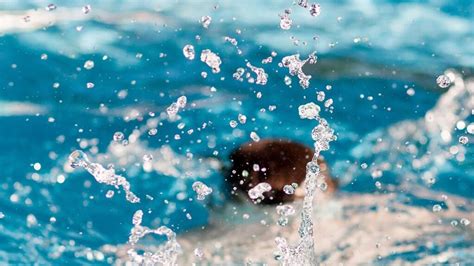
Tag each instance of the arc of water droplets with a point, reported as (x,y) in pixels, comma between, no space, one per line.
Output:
(102,175)
(165,254)
(303,252)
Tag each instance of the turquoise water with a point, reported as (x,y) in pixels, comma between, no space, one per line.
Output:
(370,53)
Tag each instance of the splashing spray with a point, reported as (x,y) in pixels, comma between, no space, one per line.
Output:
(78,159)
(303,252)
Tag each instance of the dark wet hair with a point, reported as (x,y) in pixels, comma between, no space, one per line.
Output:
(281,162)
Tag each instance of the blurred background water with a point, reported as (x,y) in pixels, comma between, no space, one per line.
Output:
(380,59)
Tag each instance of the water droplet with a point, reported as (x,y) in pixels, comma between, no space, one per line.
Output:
(295,67)
(315,10)
(242,118)
(231,40)
(78,159)
(410,92)
(181,102)
(285,210)
(89,64)
(378,185)
(303,3)
(147,157)
(205,21)
(262,77)
(198,253)
(173,109)
(285,22)
(188,52)
(437,208)
(470,128)
(257,191)
(256,167)
(309,111)
(152,131)
(443,81)
(86,9)
(289,190)
(320,96)
(109,194)
(118,136)
(323,186)
(267,60)
(463,140)
(201,190)
(239,72)
(323,135)
(465,222)
(31,220)
(50,7)
(254,136)
(212,60)
(137,217)
(233,123)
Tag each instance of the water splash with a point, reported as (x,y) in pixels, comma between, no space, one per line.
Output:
(429,142)
(285,21)
(262,77)
(173,109)
(309,111)
(295,67)
(78,159)
(212,60)
(257,191)
(284,211)
(165,254)
(303,252)
(201,190)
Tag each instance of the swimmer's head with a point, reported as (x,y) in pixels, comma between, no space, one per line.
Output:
(274,161)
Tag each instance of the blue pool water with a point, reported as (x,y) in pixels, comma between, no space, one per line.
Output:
(370,53)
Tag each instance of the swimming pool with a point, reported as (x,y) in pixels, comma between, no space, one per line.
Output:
(398,132)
